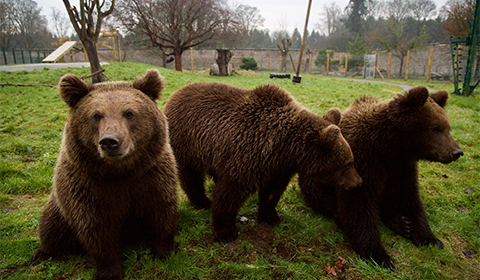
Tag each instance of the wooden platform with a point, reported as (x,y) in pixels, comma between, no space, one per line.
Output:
(59,52)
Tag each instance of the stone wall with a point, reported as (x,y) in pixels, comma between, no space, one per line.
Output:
(269,60)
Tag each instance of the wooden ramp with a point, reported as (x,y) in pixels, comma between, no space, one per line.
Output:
(59,52)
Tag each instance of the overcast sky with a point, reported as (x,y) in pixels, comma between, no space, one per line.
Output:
(292,12)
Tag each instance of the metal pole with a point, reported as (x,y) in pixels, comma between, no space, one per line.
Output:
(297,78)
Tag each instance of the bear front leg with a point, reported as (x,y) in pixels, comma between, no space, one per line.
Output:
(227,200)
(56,236)
(318,196)
(402,209)
(163,223)
(358,216)
(100,236)
(269,196)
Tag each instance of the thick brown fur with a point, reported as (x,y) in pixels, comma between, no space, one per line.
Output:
(249,141)
(115,177)
(387,138)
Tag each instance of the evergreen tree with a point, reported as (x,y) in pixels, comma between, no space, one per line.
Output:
(296,39)
(357,9)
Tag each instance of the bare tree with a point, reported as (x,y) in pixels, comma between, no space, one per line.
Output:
(458,15)
(31,25)
(60,22)
(8,28)
(398,9)
(87,22)
(330,19)
(423,9)
(174,26)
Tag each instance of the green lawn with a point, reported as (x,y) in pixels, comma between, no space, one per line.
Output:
(302,246)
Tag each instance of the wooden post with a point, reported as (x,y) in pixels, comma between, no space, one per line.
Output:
(303,39)
(280,66)
(310,65)
(191,60)
(429,70)
(389,64)
(408,64)
(119,52)
(270,63)
(328,62)
(291,66)
(261,61)
(346,64)
(375,67)
(114,48)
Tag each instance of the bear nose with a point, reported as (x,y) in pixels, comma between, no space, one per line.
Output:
(109,142)
(457,153)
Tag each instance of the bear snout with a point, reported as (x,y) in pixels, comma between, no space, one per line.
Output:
(110,145)
(457,153)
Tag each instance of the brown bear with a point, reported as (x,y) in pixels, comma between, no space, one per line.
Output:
(387,138)
(249,141)
(115,177)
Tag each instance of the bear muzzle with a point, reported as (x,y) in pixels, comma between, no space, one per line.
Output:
(110,147)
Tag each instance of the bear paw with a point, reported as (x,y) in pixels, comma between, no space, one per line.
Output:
(40,256)
(270,220)
(226,237)
(401,225)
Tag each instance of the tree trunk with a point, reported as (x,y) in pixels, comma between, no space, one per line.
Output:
(92,55)
(223,59)
(178,60)
(401,67)
(284,62)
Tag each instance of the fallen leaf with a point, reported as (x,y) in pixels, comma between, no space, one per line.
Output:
(61,276)
(445,176)
(307,249)
(468,145)
(468,254)
(243,219)
(330,270)
(460,208)
(469,191)
(339,266)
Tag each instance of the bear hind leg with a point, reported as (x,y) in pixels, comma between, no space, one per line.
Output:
(192,183)
(56,236)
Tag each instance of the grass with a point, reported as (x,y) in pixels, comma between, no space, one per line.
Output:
(300,247)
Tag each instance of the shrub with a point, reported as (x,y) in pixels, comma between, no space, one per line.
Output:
(249,63)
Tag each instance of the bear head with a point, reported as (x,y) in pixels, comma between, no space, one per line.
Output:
(110,122)
(328,158)
(420,116)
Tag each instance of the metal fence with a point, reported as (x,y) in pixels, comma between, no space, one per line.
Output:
(16,56)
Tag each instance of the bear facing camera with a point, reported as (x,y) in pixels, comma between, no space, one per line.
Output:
(115,177)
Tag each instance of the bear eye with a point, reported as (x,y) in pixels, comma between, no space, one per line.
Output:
(129,114)
(436,129)
(97,117)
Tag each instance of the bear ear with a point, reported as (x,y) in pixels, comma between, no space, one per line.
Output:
(440,97)
(414,98)
(72,89)
(151,84)
(331,133)
(333,115)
